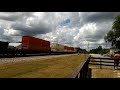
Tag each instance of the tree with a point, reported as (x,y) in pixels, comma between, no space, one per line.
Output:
(98,50)
(114,34)
(111,37)
(116,26)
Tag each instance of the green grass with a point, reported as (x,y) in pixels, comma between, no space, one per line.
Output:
(59,67)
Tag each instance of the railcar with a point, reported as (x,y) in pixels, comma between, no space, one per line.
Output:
(35,45)
(3,47)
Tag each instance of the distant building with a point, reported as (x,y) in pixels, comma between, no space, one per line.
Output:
(112,51)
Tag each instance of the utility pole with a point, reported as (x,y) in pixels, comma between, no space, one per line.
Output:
(88,46)
(105,38)
(106,44)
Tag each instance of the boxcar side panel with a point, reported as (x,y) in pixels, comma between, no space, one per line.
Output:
(57,47)
(35,44)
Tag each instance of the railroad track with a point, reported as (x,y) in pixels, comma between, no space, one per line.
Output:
(18,59)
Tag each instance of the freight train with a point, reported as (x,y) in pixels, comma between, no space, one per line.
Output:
(32,45)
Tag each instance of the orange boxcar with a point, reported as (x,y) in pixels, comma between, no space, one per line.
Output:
(68,49)
(35,44)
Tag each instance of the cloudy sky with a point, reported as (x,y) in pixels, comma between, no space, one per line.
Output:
(69,28)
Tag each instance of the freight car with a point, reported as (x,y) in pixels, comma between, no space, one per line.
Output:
(6,50)
(58,48)
(69,49)
(35,45)
(3,47)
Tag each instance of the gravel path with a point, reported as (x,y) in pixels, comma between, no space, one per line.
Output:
(18,59)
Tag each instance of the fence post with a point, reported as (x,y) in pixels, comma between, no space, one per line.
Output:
(114,64)
(81,73)
(100,64)
(85,70)
(89,74)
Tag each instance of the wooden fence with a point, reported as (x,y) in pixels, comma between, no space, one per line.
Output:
(103,61)
(82,71)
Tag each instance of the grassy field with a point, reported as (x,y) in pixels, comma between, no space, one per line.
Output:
(59,67)
(105,72)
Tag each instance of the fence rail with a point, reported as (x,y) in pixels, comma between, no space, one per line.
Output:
(82,71)
(103,61)
(104,58)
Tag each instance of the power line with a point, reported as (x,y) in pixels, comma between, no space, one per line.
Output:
(88,46)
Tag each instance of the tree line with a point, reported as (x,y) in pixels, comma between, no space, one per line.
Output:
(99,50)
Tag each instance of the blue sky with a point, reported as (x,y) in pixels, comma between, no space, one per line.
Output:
(65,22)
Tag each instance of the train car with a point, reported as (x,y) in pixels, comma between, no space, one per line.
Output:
(71,49)
(56,48)
(35,45)
(68,49)
(6,50)
(62,49)
(75,50)
(3,47)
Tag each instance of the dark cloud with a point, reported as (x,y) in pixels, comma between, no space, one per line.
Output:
(99,34)
(7,38)
(14,16)
(31,30)
(102,16)
(1,31)
(98,17)
(9,16)
(4,37)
